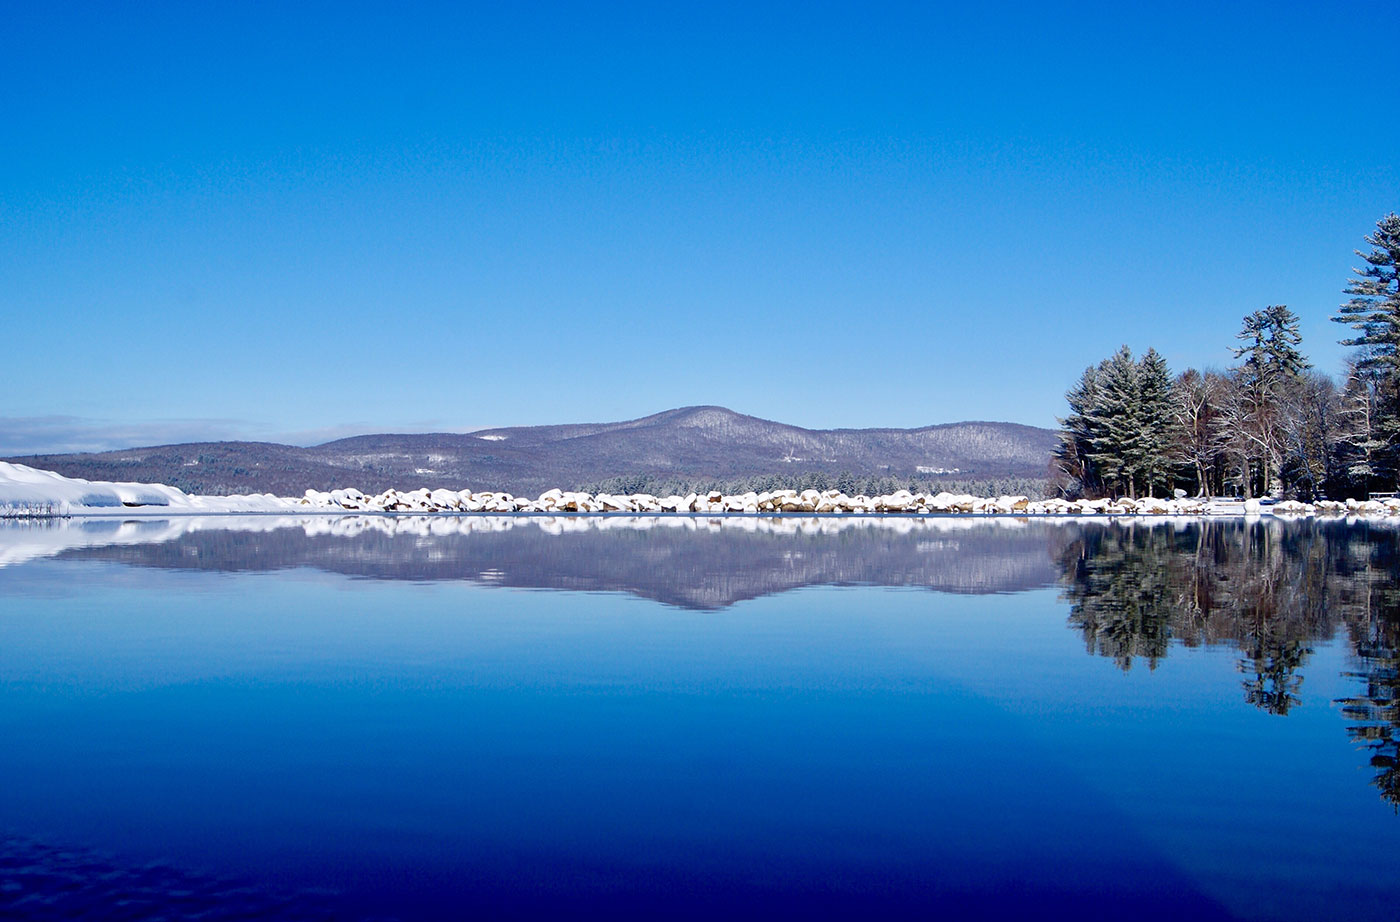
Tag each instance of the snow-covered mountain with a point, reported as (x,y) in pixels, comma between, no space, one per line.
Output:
(693,442)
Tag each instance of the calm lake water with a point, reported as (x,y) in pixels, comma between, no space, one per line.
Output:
(400,718)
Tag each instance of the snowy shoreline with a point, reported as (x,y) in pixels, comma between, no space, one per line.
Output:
(27,492)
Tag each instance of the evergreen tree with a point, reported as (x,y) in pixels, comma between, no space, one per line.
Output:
(1271,352)
(1374,312)
(1156,421)
(1120,431)
(1078,431)
(1271,371)
(1118,448)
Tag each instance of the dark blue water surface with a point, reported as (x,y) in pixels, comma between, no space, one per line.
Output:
(669,718)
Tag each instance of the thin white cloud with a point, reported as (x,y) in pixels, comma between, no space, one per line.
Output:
(49,435)
(30,435)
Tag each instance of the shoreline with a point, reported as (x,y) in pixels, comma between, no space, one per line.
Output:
(138,513)
(30,493)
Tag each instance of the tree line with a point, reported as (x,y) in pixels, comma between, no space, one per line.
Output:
(847,482)
(1270,425)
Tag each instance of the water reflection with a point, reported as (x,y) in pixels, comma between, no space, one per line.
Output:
(690,562)
(1270,589)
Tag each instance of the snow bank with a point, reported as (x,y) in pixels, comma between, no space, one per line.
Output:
(26,490)
(829,502)
(22,486)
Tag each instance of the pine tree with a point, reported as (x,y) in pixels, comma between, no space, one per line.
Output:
(1374,312)
(1078,431)
(1271,352)
(1271,370)
(1118,449)
(1155,421)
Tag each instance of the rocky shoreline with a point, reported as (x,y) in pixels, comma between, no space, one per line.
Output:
(31,493)
(832,502)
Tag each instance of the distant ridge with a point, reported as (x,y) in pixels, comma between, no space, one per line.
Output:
(703,442)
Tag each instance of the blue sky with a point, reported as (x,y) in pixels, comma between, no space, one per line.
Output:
(250,221)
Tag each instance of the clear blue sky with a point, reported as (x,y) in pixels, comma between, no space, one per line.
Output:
(247,220)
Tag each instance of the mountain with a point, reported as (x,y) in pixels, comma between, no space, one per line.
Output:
(696,443)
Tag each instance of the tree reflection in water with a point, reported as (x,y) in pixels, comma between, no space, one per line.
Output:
(1270,589)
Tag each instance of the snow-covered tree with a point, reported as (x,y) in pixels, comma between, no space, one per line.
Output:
(1078,430)
(1196,406)
(1119,435)
(1156,422)
(1117,447)
(1310,426)
(1271,370)
(1374,312)
(1361,440)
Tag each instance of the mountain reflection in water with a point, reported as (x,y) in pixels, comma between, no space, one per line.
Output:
(1269,588)
(704,563)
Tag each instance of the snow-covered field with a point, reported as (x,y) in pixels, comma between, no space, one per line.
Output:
(27,491)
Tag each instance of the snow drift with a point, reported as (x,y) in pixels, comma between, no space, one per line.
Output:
(29,491)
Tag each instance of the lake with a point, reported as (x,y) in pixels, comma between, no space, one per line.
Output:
(384,717)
